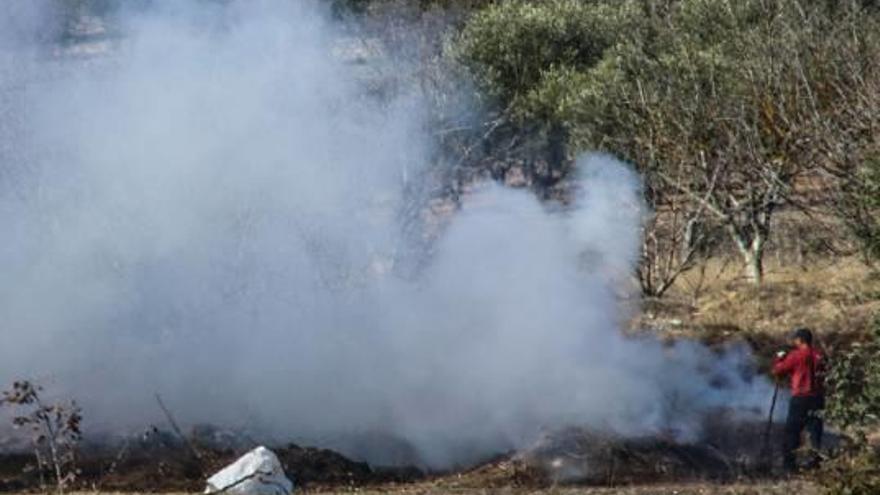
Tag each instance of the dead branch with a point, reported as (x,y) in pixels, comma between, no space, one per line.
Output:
(186,442)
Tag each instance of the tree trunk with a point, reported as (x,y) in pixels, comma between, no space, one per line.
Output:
(755,267)
(751,252)
(557,147)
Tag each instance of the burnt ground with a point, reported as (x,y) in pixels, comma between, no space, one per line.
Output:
(446,486)
(158,461)
(168,465)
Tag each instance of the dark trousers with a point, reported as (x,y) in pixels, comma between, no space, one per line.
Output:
(803,413)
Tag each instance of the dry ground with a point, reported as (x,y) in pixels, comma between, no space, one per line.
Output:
(438,488)
(695,489)
(837,297)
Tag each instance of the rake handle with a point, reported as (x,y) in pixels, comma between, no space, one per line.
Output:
(770,417)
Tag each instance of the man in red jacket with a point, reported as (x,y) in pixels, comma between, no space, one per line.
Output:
(804,365)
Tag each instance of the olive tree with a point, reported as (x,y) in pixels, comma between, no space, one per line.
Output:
(728,104)
(518,53)
(729,109)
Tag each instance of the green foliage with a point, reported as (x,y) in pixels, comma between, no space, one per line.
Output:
(859,207)
(853,383)
(729,103)
(523,54)
(659,82)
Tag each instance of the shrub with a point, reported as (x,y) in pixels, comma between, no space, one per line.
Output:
(522,54)
(853,383)
(55,430)
(859,207)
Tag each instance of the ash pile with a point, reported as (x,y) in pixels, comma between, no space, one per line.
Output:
(729,449)
(158,460)
(577,456)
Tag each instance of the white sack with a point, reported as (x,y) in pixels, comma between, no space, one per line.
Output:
(258,472)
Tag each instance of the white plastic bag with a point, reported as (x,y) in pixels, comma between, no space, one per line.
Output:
(258,472)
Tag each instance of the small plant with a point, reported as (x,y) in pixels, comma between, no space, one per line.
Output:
(858,205)
(55,430)
(854,405)
(853,383)
(855,473)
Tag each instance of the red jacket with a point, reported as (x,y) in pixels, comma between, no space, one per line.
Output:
(805,366)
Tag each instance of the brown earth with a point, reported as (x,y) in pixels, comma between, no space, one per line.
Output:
(170,467)
(452,486)
(570,457)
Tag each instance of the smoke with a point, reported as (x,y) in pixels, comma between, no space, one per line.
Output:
(214,212)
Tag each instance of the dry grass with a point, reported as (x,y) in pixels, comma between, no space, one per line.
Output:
(836,297)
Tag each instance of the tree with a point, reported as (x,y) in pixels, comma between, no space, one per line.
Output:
(517,54)
(735,97)
(673,241)
(731,110)
(709,98)
(55,430)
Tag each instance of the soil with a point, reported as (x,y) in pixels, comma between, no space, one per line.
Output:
(160,462)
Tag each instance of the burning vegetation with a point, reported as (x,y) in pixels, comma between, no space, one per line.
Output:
(165,459)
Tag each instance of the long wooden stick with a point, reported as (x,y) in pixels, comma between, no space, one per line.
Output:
(189,446)
(769,429)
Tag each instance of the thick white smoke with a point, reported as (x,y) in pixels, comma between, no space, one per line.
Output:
(212,212)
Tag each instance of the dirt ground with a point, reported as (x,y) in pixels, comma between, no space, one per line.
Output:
(731,463)
(695,489)
(837,297)
(448,486)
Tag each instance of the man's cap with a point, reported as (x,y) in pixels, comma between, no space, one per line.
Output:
(804,334)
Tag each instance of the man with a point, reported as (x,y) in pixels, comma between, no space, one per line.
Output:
(804,365)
